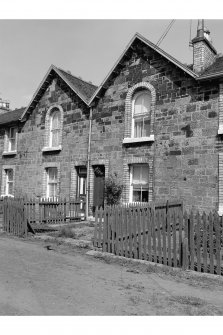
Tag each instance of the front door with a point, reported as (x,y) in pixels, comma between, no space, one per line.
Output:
(99,186)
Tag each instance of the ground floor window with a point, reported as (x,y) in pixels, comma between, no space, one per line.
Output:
(9,182)
(81,181)
(139,183)
(52,182)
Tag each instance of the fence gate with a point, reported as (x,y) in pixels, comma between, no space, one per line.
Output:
(14,218)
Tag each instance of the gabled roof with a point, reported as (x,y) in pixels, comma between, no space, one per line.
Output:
(11,116)
(154,47)
(82,88)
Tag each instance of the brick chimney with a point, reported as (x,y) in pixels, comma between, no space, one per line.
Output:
(204,53)
(4,106)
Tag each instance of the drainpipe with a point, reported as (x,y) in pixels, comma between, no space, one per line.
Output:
(88,164)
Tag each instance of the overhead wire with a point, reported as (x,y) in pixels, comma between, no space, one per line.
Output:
(165,33)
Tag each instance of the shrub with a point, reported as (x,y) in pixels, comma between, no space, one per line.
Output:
(113,190)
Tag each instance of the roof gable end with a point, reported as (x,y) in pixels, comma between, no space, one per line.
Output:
(154,47)
(80,87)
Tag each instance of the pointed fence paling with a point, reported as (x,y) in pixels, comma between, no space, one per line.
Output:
(187,240)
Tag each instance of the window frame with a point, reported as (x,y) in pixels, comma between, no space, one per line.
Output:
(56,130)
(48,182)
(142,185)
(5,181)
(81,176)
(48,140)
(141,116)
(8,141)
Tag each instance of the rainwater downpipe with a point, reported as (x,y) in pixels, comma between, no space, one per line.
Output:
(88,165)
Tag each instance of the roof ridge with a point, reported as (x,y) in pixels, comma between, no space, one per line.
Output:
(70,74)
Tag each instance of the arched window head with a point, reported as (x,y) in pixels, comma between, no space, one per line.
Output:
(55,128)
(141,118)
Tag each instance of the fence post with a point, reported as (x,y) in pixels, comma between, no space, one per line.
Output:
(185,254)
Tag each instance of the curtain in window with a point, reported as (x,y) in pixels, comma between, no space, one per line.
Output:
(140,182)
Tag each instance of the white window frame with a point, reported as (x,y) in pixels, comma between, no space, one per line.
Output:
(48,182)
(5,180)
(131,181)
(140,116)
(48,126)
(8,141)
(80,180)
(56,111)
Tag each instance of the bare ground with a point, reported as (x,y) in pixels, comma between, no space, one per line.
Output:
(65,281)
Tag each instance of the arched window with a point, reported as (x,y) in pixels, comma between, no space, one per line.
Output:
(55,128)
(141,120)
(139,113)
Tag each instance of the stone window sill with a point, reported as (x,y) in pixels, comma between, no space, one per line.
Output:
(128,140)
(51,149)
(7,196)
(9,153)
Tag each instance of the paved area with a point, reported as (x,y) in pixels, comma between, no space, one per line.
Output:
(37,281)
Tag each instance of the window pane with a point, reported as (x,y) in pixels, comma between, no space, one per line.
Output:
(10,187)
(144,174)
(12,132)
(10,175)
(55,138)
(145,196)
(52,173)
(138,129)
(12,144)
(136,196)
(142,104)
(146,130)
(136,174)
(52,190)
(55,120)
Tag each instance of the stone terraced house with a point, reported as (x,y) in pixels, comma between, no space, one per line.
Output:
(155,122)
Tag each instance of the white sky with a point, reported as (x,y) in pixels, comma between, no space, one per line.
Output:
(88,47)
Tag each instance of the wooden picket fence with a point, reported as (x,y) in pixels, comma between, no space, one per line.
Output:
(20,213)
(14,217)
(54,210)
(173,238)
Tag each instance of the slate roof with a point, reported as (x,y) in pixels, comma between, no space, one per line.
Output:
(11,116)
(83,87)
(216,67)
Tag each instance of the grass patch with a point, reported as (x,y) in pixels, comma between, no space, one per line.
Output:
(67,232)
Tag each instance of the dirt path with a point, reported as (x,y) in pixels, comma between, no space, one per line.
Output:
(37,281)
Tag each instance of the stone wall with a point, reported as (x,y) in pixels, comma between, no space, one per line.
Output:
(185,127)
(31,161)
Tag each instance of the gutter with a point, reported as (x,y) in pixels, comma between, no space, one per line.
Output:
(88,165)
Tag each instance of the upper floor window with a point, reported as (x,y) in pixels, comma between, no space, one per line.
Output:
(10,145)
(141,114)
(55,128)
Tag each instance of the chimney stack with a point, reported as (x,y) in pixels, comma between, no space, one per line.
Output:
(203,51)
(4,106)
